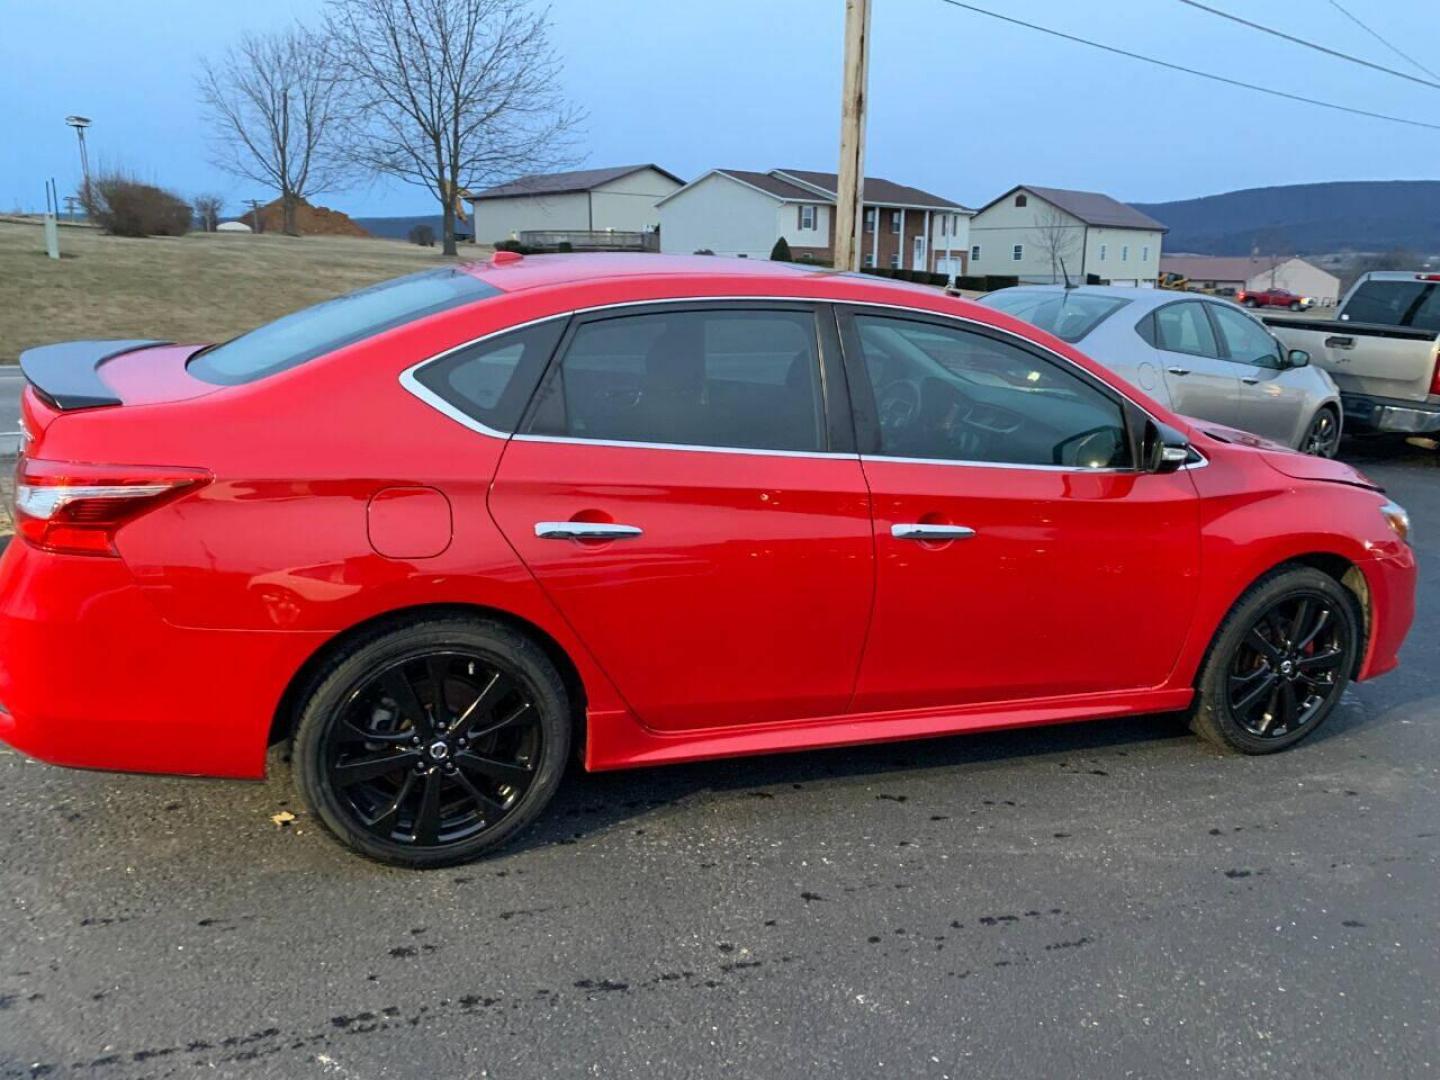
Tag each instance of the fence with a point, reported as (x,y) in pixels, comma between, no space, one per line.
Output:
(589,240)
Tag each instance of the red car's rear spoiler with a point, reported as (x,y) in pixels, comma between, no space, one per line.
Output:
(67,375)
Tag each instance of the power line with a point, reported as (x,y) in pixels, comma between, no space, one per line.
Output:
(1189,70)
(1376,35)
(1310,44)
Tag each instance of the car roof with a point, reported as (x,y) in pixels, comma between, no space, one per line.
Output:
(1144,299)
(513,274)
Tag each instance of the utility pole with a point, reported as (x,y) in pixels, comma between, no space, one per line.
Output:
(255,205)
(80,123)
(70,202)
(850,198)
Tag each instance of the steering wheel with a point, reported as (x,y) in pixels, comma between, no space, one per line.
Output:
(898,405)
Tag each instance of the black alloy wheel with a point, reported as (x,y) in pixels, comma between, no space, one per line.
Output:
(1286,668)
(433,743)
(1279,663)
(1322,437)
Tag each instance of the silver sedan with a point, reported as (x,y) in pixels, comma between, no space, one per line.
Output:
(1202,356)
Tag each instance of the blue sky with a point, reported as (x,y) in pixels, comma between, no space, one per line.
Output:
(961,105)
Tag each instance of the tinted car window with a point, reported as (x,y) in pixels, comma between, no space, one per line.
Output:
(1068,315)
(492,380)
(1388,303)
(1426,314)
(958,395)
(1246,341)
(745,379)
(1184,328)
(317,330)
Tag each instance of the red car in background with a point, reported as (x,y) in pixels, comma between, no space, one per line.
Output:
(445,532)
(1281,298)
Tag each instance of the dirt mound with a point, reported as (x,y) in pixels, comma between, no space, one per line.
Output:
(309,220)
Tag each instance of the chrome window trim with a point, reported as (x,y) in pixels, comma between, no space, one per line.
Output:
(410,382)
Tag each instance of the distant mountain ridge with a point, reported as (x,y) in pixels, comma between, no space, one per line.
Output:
(398,228)
(1306,219)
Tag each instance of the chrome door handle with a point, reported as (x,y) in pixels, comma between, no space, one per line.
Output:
(1178,370)
(1250,380)
(585,530)
(1340,342)
(917,531)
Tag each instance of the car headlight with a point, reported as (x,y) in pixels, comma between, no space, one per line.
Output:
(1398,520)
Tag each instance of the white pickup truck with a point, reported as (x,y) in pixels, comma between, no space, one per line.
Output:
(1381,350)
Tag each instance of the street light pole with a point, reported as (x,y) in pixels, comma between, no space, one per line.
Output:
(80,123)
(850,198)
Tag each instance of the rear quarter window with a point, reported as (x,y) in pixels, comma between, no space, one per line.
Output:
(314,331)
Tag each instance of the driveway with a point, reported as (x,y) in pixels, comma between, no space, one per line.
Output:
(1106,899)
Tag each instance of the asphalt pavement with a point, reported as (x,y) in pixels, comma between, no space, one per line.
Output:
(1111,898)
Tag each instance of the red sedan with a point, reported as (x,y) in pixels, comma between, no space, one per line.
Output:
(447,531)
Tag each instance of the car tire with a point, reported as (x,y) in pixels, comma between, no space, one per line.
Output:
(412,780)
(1249,303)
(1322,434)
(1294,305)
(1263,687)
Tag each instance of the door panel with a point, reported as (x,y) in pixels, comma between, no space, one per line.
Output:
(739,589)
(1270,405)
(743,600)
(1018,555)
(1201,384)
(1074,582)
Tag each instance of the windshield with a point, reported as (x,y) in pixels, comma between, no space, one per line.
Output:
(1395,303)
(1068,315)
(317,330)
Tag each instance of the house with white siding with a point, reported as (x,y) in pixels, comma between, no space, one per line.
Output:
(743,213)
(619,199)
(1040,234)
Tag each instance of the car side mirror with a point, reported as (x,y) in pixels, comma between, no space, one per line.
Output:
(1297,358)
(1163,449)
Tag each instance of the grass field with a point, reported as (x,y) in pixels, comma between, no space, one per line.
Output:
(202,287)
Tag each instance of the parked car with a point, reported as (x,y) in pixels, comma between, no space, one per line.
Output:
(1382,349)
(447,531)
(1282,298)
(1201,356)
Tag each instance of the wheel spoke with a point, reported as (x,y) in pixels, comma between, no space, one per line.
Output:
(1289,707)
(1297,624)
(1270,707)
(1261,644)
(483,802)
(1321,661)
(1320,623)
(437,667)
(351,732)
(427,817)
(373,766)
(502,772)
(482,706)
(382,821)
(1249,697)
(520,712)
(398,686)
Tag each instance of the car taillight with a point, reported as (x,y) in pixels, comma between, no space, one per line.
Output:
(1435,377)
(77,509)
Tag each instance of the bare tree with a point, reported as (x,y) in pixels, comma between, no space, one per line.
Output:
(445,91)
(1056,231)
(272,100)
(207,209)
